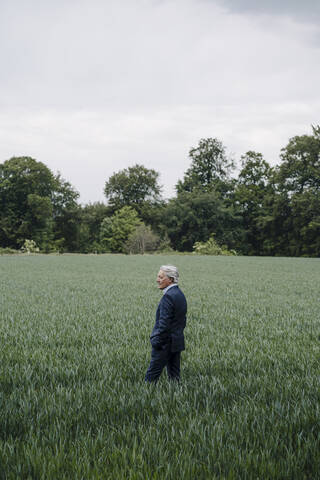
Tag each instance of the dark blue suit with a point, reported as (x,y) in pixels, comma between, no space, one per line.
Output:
(167,338)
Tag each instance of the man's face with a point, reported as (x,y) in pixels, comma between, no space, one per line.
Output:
(162,280)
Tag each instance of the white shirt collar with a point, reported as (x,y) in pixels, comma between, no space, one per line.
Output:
(168,287)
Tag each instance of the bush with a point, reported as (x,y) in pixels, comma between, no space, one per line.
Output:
(8,251)
(29,246)
(210,247)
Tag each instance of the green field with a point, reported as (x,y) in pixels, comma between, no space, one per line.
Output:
(74,336)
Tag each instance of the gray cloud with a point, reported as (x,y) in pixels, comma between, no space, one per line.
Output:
(306,10)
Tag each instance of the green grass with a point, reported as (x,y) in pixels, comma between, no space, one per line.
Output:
(74,333)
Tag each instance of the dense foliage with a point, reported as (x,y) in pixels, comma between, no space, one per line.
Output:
(36,205)
(262,210)
(75,347)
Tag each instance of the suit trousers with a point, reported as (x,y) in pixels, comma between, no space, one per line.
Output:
(163,358)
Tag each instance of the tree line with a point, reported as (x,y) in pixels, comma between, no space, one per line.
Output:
(263,210)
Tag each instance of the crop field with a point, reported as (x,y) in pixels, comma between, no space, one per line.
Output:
(74,333)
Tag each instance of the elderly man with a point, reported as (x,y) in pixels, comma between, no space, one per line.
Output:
(167,337)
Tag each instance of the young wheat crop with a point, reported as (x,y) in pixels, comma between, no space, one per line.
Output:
(74,333)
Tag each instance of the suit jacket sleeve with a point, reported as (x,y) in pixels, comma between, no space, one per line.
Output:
(166,315)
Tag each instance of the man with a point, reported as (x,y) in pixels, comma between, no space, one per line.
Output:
(167,337)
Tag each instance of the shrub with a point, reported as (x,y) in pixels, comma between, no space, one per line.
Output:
(8,251)
(29,246)
(210,247)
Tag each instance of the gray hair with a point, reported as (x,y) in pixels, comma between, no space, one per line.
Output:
(171,271)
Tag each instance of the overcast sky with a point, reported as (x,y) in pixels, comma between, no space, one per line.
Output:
(89,87)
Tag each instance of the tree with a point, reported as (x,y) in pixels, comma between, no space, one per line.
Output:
(142,240)
(64,195)
(35,204)
(135,186)
(295,217)
(300,167)
(252,193)
(66,215)
(116,230)
(194,216)
(26,188)
(304,234)
(39,221)
(210,168)
(91,217)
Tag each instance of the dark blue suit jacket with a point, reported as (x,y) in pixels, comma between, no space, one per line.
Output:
(170,321)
